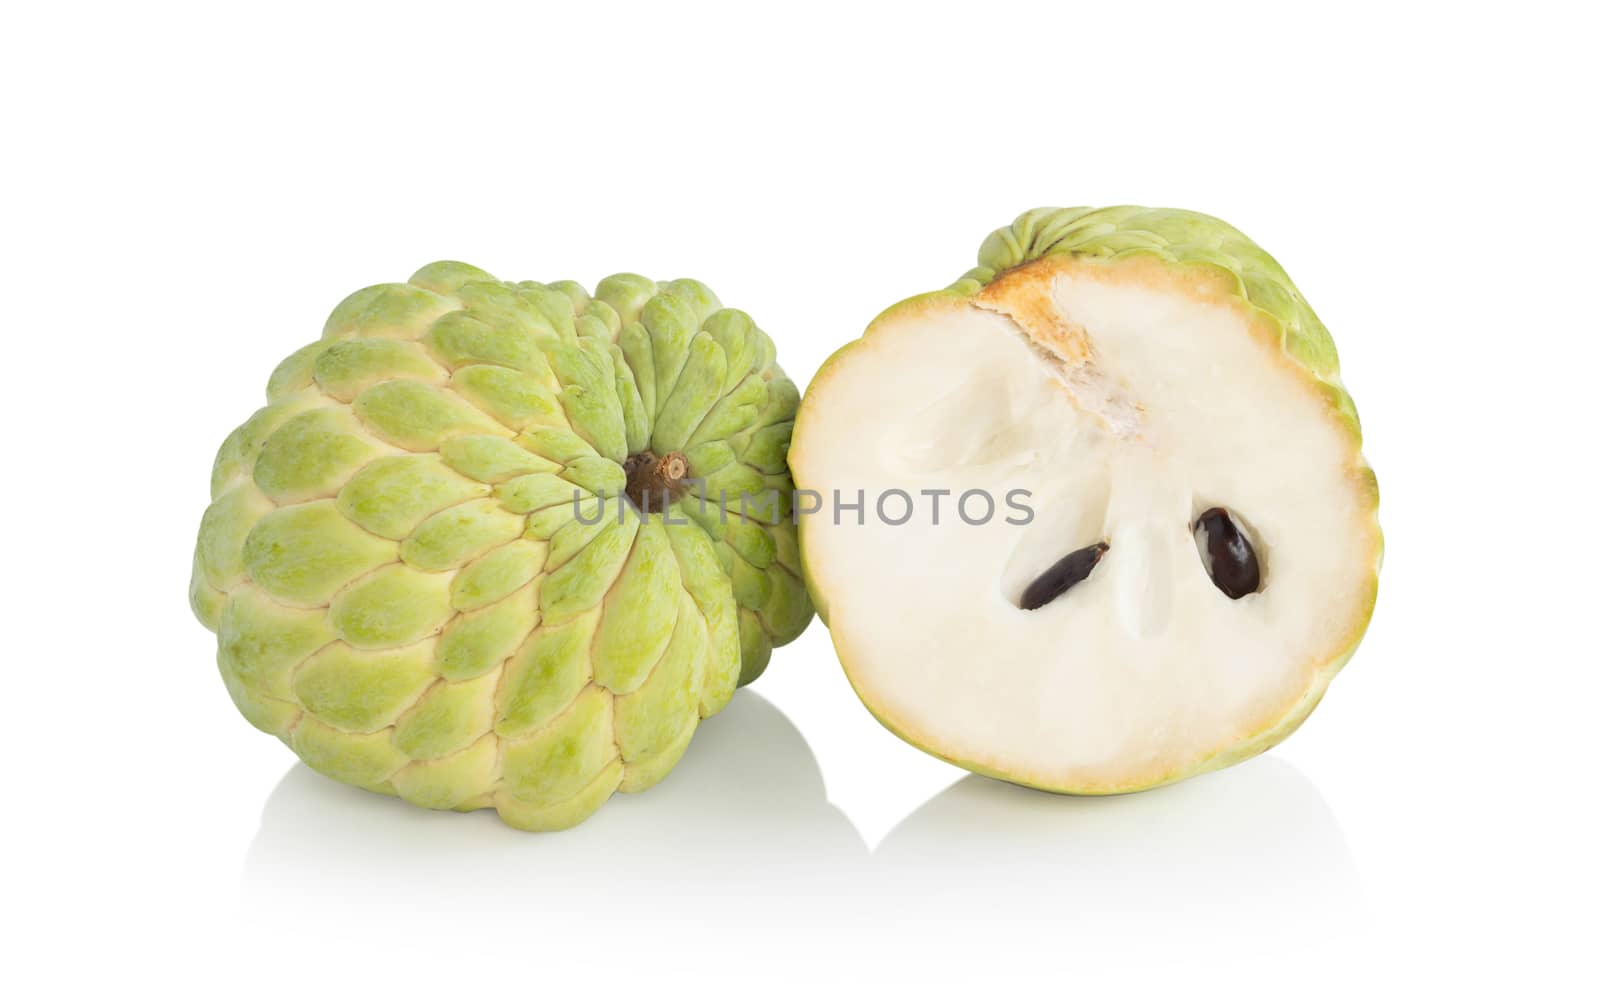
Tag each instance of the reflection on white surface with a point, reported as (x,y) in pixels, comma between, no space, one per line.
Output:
(1250,851)
(741,839)
(743,818)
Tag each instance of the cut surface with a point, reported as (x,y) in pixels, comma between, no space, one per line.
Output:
(1095,402)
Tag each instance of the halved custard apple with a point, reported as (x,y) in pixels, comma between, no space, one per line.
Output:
(1095,518)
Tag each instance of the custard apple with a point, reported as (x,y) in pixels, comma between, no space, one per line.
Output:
(1105,519)
(487,544)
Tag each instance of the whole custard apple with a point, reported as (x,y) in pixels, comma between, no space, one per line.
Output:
(1121,528)
(487,546)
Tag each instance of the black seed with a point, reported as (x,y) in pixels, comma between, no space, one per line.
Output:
(1228,556)
(1062,576)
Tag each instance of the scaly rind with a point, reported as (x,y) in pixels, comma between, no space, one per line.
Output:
(403,589)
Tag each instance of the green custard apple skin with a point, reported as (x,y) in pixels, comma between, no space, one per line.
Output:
(1136,368)
(419,563)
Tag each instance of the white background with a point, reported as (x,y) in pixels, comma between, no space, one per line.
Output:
(188,190)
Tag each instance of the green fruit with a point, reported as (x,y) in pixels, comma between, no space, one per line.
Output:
(1185,544)
(474,551)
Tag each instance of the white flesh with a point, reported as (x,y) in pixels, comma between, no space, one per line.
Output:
(1146,670)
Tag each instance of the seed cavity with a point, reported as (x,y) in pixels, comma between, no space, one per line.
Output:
(1226,552)
(1062,576)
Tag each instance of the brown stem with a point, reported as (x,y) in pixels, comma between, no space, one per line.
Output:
(654,481)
